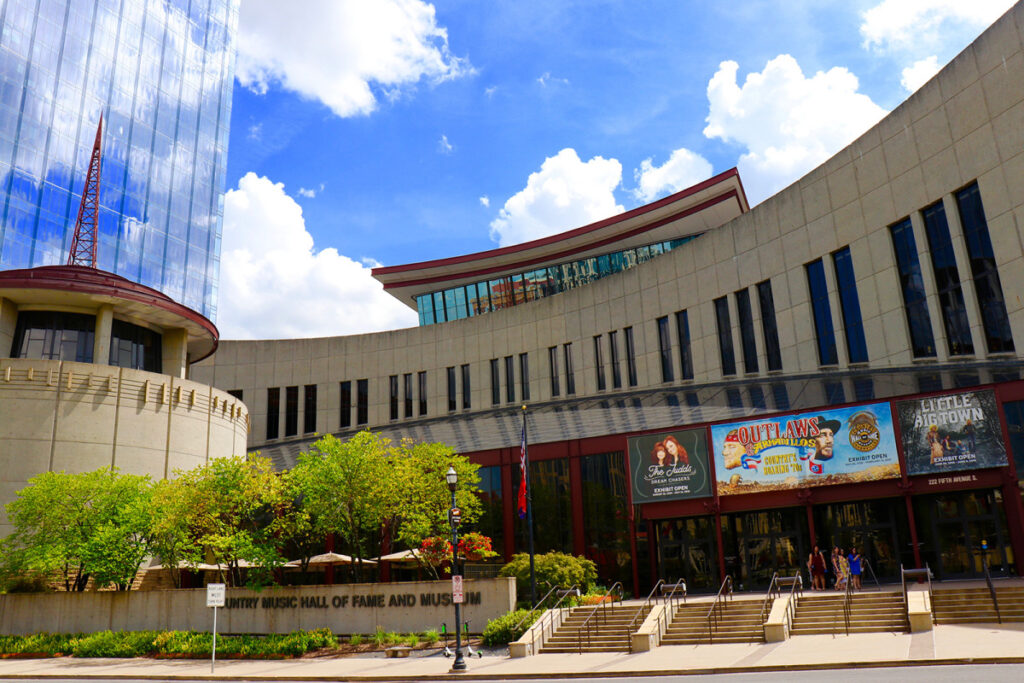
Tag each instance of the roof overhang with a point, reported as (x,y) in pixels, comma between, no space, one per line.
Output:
(692,211)
(79,287)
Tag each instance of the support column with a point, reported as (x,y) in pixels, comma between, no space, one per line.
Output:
(912,523)
(101,337)
(175,352)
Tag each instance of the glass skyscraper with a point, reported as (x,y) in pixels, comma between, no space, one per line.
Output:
(160,72)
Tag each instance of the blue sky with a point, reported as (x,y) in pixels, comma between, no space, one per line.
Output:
(396,131)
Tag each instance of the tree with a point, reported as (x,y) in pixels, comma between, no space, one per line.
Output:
(77,526)
(551,569)
(234,509)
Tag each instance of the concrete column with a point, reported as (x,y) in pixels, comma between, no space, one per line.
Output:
(175,352)
(101,341)
(8,323)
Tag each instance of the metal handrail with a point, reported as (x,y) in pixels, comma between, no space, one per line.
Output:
(918,574)
(640,610)
(602,607)
(798,580)
(670,601)
(773,591)
(535,607)
(992,592)
(846,604)
(867,565)
(717,610)
(549,616)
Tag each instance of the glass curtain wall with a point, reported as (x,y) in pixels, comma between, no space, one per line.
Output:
(552,508)
(606,516)
(161,74)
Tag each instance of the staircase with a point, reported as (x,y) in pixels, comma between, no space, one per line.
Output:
(819,613)
(974,605)
(741,623)
(608,631)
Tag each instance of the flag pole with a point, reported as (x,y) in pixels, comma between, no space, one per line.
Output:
(529,513)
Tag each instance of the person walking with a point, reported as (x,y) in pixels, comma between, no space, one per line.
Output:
(816,565)
(854,560)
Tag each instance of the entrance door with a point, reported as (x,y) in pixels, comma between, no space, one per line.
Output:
(954,525)
(758,544)
(875,527)
(686,550)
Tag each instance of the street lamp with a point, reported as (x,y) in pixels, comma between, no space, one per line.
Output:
(453,480)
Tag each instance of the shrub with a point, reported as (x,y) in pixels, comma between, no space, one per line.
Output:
(431,637)
(412,640)
(355,639)
(551,569)
(114,644)
(502,630)
(379,638)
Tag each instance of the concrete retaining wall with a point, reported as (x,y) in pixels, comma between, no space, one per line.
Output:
(354,608)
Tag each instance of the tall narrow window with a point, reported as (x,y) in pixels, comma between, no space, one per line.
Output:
(599,363)
(922,342)
(766,303)
(524,376)
(421,377)
(309,409)
(553,367)
(665,349)
(393,396)
(849,304)
(822,312)
(947,281)
(510,380)
(746,315)
(345,419)
(630,356)
(291,411)
(466,390)
(495,382)
(362,401)
(685,353)
(273,412)
(452,402)
(407,394)
(987,286)
(613,351)
(725,350)
(570,375)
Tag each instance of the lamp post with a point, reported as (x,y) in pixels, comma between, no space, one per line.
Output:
(453,480)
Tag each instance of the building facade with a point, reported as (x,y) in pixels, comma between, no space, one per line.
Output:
(160,73)
(798,355)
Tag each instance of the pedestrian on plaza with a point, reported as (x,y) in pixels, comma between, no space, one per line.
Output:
(843,573)
(816,565)
(854,560)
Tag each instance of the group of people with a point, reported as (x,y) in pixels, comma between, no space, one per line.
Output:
(846,567)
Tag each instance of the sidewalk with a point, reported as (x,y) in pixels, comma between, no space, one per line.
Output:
(976,643)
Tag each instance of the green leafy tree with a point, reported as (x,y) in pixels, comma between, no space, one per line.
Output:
(77,526)
(551,569)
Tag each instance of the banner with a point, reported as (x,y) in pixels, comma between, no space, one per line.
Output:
(829,446)
(669,466)
(950,433)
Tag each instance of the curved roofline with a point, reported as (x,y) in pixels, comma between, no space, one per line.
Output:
(85,280)
(576,232)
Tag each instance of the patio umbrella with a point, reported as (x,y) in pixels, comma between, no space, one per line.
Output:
(330,558)
(406,556)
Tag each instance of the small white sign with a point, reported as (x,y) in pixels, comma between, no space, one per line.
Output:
(458,597)
(215,594)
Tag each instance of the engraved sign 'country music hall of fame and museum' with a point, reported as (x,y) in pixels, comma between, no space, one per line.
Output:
(669,466)
(949,433)
(829,446)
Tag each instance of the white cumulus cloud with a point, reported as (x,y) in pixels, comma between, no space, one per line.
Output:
(344,53)
(275,284)
(444,146)
(918,73)
(789,123)
(683,169)
(565,193)
(485,201)
(924,26)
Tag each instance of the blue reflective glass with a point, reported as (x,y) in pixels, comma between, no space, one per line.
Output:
(919,321)
(822,311)
(856,345)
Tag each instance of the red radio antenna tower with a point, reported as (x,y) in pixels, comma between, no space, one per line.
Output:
(83,244)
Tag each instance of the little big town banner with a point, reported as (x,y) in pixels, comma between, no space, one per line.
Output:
(832,446)
(669,466)
(950,433)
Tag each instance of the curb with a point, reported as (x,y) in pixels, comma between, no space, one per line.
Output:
(653,673)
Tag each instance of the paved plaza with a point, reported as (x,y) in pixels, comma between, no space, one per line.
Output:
(979,643)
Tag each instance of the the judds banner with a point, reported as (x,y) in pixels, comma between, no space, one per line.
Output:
(669,466)
(829,446)
(949,433)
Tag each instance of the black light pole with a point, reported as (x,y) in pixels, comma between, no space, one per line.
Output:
(453,480)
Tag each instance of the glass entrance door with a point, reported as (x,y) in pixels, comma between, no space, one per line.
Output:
(875,527)
(758,544)
(952,527)
(686,550)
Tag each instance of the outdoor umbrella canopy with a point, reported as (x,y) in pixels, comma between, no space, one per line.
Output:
(403,556)
(330,558)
